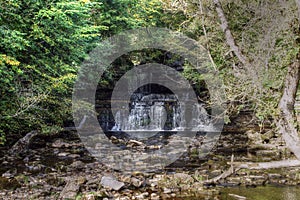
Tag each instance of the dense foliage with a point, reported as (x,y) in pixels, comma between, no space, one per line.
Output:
(43,43)
(267,33)
(41,46)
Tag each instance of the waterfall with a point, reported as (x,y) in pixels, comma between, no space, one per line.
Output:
(159,112)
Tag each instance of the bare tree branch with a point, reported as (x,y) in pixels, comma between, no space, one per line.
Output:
(205,34)
(298,5)
(229,37)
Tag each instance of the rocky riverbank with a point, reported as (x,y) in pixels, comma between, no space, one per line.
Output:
(59,167)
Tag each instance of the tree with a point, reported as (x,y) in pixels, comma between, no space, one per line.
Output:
(42,44)
(256,49)
(286,120)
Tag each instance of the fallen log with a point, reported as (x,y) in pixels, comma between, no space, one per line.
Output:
(267,165)
(236,166)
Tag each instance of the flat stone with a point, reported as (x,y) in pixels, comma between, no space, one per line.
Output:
(110,182)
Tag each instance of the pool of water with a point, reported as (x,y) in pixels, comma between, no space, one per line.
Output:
(262,193)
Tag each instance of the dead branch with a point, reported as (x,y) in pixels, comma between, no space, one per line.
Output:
(224,175)
(268,165)
(205,35)
(237,196)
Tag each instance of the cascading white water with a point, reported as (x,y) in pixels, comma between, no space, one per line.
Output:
(159,112)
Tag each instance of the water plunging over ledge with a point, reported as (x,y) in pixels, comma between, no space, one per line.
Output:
(159,112)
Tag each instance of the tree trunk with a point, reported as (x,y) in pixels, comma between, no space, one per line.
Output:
(286,123)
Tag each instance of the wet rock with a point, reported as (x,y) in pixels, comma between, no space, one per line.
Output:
(110,182)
